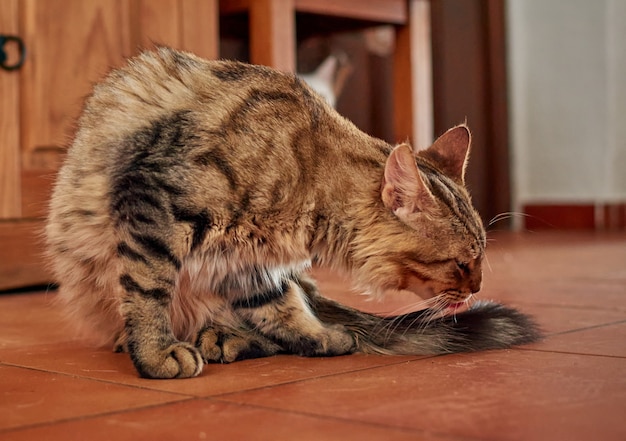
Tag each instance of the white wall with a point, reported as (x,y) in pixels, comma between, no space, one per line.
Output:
(567,72)
(616,50)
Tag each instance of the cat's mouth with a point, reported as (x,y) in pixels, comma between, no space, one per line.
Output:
(453,307)
(455,300)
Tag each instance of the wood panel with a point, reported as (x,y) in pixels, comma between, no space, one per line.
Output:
(71,44)
(384,11)
(498,158)
(200,27)
(469,84)
(154,22)
(190,25)
(412,91)
(273,34)
(21,259)
(67,54)
(10,194)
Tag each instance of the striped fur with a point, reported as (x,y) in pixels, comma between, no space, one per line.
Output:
(197,193)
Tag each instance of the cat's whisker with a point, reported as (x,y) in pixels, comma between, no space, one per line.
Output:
(498,217)
(502,216)
(398,312)
(437,305)
(488,263)
(390,326)
(507,215)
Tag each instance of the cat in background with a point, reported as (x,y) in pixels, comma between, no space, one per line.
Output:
(196,194)
(329,77)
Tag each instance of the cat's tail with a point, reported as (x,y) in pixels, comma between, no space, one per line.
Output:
(485,325)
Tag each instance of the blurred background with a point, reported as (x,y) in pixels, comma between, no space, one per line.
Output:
(541,83)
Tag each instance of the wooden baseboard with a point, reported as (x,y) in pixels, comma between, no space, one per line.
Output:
(21,255)
(611,217)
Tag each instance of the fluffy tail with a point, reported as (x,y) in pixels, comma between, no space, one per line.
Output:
(486,325)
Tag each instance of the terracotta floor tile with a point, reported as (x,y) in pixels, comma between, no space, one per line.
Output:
(558,319)
(560,292)
(607,340)
(73,359)
(32,397)
(501,395)
(201,419)
(584,270)
(556,389)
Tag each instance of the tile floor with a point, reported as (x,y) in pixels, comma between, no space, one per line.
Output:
(571,386)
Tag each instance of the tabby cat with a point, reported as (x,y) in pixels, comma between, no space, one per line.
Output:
(197,193)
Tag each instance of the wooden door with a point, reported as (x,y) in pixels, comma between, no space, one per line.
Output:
(71,44)
(469,83)
(9,120)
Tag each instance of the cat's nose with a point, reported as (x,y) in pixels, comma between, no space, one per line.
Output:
(476,277)
(475,283)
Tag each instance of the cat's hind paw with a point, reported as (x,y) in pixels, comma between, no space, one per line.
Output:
(226,345)
(209,344)
(336,340)
(327,342)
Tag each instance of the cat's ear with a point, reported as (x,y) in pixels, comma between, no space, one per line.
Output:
(403,190)
(450,152)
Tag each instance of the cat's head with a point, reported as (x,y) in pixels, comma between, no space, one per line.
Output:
(432,240)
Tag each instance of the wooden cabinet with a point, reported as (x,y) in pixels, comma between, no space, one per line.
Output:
(273,29)
(70,45)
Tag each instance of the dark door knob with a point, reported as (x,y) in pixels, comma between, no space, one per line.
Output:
(5,63)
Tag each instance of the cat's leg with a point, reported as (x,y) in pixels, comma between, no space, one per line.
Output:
(153,348)
(283,316)
(226,344)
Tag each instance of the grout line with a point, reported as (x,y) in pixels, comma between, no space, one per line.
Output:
(92,416)
(254,388)
(236,404)
(567,306)
(343,419)
(571,331)
(302,380)
(552,351)
(99,380)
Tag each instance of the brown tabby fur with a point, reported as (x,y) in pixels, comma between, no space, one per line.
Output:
(196,194)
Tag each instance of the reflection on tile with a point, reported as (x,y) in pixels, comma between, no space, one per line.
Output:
(497,395)
(34,397)
(201,419)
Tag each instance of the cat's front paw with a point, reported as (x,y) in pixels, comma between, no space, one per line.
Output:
(178,360)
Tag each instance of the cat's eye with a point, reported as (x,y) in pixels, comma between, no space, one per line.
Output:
(463,267)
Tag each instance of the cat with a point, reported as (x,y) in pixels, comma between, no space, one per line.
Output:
(329,77)
(196,194)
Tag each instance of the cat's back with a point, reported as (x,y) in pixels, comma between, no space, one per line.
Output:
(175,118)
(166,81)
